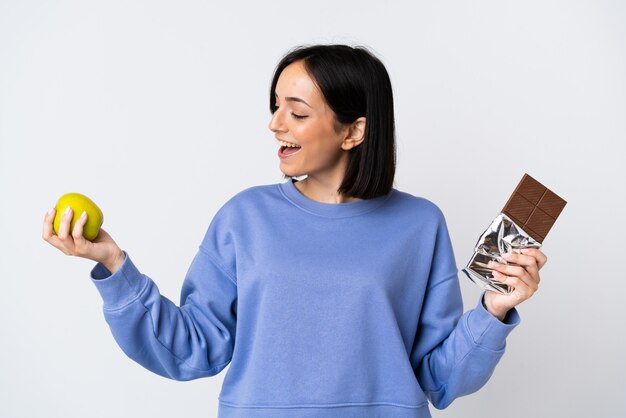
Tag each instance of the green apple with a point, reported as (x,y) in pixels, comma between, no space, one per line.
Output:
(79,203)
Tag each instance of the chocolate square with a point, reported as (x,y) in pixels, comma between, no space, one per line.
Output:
(551,204)
(520,208)
(531,189)
(539,223)
(534,207)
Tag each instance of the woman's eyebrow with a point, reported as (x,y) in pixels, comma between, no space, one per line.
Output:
(294,99)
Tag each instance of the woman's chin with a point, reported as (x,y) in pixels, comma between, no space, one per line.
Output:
(292,173)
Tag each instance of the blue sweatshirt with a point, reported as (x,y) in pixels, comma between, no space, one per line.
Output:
(321,310)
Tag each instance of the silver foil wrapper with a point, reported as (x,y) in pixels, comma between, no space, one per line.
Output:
(503,235)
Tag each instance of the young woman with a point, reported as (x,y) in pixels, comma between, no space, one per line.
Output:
(332,296)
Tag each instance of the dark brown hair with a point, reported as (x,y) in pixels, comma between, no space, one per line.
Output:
(354,83)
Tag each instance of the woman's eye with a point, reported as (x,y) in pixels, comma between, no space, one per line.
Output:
(295,115)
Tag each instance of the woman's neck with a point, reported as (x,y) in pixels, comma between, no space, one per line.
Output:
(324,192)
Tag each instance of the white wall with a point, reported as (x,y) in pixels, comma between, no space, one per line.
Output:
(159,110)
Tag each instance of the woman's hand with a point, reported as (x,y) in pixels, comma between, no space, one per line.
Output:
(523,278)
(102,249)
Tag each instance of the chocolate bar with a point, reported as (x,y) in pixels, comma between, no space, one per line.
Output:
(534,207)
(524,222)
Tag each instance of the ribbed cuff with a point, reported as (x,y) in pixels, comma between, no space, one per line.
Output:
(487,330)
(120,288)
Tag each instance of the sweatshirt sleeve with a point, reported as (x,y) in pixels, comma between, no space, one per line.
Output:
(455,353)
(181,343)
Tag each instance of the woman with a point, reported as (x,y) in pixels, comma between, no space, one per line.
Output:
(332,296)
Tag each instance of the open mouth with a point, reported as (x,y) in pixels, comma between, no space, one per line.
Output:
(285,151)
(287,148)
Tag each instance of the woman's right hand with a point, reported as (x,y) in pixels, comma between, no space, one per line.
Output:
(102,249)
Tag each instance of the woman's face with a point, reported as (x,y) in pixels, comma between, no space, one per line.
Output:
(302,117)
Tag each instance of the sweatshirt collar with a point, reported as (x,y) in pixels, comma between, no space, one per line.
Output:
(329,210)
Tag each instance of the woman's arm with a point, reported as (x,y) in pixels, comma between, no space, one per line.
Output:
(455,353)
(181,343)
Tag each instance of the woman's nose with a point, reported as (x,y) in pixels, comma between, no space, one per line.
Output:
(276,124)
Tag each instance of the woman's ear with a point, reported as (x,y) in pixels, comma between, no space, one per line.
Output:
(356,134)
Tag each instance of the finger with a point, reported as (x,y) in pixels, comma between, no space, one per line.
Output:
(57,243)
(64,227)
(78,226)
(537,254)
(77,233)
(53,239)
(48,228)
(526,261)
(48,232)
(508,269)
(521,290)
(520,259)
(515,271)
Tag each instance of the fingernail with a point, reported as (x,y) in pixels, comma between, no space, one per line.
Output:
(83,214)
(524,250)
(50,211)
(492,264)
(67,210)
(506,255)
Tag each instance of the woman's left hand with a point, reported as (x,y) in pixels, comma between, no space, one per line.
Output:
(523,278)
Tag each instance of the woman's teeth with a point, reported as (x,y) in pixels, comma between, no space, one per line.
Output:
(288,144)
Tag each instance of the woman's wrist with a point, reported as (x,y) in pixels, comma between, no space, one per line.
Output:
(497,313)
(115,262)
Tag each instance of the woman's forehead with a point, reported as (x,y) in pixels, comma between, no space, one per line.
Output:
(294,81)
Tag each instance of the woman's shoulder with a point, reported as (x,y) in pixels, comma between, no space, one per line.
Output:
(254,193)
(251,197)
(241,206)
(420,205)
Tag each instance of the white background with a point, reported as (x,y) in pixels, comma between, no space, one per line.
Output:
(158,111)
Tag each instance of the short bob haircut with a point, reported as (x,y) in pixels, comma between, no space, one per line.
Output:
(354,83)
